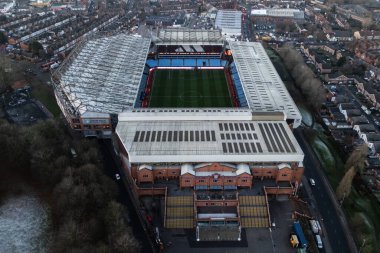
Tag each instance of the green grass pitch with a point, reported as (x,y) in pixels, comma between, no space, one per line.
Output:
(189,88)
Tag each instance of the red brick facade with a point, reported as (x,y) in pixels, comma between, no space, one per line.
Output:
(216,174)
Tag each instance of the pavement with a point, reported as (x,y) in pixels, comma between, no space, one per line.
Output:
(334,220)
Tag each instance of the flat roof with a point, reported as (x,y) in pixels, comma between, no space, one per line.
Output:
(263,87)
(104,74)
(186,36)
(177,114)
(229,20)
(212,140)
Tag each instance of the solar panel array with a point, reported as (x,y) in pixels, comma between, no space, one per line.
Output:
(201,140)
(238,138)
(275,138)
(168,136)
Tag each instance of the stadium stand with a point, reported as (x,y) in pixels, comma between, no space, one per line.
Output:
(143,84)
(237,85)
(186,62)
(254,211)
(179,212)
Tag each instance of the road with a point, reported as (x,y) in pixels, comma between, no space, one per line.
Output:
(106,149)
(333,219)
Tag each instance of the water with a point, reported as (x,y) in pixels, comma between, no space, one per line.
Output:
(24,224)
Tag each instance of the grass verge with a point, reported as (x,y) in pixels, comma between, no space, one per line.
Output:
(362,210)
(45,95)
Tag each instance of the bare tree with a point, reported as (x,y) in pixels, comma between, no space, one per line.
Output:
(344,187)
(5,73)
(305,80)
(119,234)
(357,158)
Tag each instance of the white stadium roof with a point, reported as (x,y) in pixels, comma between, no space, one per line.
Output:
(105,74)
(263,87)
(229,21)
(192,140)
(186,36)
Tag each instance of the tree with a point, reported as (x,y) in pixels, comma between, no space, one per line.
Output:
(354,164)
(342,60)
(35,47)
(344,187)
(304,78)
(119,233)
(12,148)
(5,75)
(357,158)
(3,38)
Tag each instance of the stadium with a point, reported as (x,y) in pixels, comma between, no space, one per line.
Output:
(198,121)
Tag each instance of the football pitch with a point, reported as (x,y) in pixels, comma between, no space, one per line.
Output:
(189,88)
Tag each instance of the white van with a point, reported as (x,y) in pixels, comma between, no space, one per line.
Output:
(318,240)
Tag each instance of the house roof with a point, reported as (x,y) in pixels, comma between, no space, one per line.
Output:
(242,168)
(367,128)
(187,168)
(342,34)
(359,120)
(353,113)
(348,106)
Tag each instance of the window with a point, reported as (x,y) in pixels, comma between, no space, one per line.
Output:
(145,175)
(244,180)
(284,175)
(187,181)
(215,180)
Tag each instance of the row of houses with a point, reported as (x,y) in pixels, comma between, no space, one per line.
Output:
(321,56)
(351,125)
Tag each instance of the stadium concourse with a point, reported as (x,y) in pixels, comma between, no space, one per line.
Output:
(200,121)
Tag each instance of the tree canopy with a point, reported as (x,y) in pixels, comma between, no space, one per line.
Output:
(82,196)
(35,47)
(304,78)
(3,38)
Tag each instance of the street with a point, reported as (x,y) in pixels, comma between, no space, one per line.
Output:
(106,149)
(338,233)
